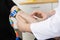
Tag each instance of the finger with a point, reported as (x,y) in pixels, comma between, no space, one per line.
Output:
(38,19)
(33,13)
(22,15)
(18,18)
(19,25)
(22,19)
(18,21)
(28,18)
(20,12)
(39,14)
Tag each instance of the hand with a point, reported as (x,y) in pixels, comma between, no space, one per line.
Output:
(26,17)
(23,21)
(38,14)
(22,25)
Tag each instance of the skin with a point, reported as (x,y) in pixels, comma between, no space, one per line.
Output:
(24,21)
(39,14)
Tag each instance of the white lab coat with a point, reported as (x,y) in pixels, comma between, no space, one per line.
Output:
(49,28)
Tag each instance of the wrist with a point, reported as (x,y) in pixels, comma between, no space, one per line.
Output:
(27,28)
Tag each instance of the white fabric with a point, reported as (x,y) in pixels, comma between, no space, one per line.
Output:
(58,2)
(46,29)
(49,28)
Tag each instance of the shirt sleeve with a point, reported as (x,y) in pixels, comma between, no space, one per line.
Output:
(49,28)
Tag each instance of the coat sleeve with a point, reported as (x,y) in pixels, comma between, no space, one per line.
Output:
(49,28)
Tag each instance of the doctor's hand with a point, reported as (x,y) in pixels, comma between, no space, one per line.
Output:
(22,24)
(26,17)
(39,15)
(24,21)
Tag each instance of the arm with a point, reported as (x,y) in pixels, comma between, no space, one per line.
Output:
(42,30)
